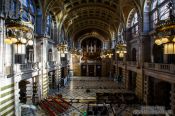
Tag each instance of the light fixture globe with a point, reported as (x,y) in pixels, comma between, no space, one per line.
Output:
(121,54)
(23,40)
(125,51)
(173,39)
(14,40)
(8,41)
(164,40)
(29,35)
(158,41)
(30,42)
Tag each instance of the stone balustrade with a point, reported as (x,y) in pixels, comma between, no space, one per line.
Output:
(131,63)
(51,64)
(25,67)
(64,63)
(169,68)
(120,63)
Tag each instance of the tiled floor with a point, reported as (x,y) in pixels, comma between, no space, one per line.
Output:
(76,92)
(77,89)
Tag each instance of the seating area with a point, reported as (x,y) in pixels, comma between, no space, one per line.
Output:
(54,105)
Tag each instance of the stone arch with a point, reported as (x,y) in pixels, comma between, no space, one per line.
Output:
(101,38)
(50,55)
(130,17)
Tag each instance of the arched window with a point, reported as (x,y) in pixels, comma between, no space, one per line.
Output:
(120,32)
(50,56)
(28,11)
(50,26)
(159,11)
(30,54)
(13,6)
(132,22)
(134,53)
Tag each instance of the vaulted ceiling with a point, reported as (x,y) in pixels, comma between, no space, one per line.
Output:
(85,16)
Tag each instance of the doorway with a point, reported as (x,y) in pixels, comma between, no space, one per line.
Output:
(98,70)
(91,70)
(132,80)
(83,70)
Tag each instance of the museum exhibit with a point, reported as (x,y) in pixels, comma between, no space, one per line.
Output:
(87,57)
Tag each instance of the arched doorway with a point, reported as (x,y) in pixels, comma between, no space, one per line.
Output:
(50,55)
(22,92)
(133,54)
(52,79)
(30,54)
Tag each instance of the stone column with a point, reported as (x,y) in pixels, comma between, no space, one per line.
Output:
(146,89)
(16,97)
(2,36)
(35,81)
(139,85)
(127,80)
(29,91)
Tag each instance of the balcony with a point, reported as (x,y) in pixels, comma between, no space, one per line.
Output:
(132,63)
(25,67)
(51,64)
(168,68)
(64,63)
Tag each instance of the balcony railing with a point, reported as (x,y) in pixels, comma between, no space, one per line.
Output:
(131,63)
(51,64)
(170,68)
(120,62)
(64,63)
(26,67)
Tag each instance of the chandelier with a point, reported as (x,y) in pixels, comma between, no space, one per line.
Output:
(62,47)
(121,47)
(165,32)
(106,53)
(73,51)
(19,32)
